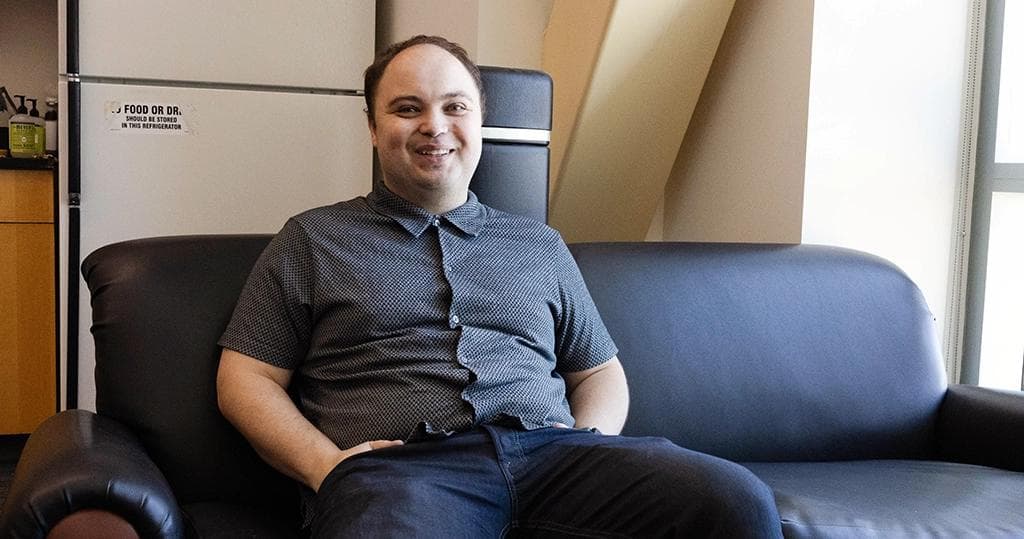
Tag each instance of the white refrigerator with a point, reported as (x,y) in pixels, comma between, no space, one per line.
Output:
(201,117)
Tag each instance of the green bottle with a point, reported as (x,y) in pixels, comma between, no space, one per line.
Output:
(21,130)
(23,133)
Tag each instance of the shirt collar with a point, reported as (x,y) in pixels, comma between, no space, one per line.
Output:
(469,217)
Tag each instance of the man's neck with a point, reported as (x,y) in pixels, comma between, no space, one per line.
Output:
(434,202)
(443,206)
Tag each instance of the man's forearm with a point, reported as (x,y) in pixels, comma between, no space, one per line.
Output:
(264,413)
(600,398)
(253,398)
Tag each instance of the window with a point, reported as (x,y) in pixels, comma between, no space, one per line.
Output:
(994,328)
(1010,107)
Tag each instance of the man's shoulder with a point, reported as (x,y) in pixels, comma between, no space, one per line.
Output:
(510,223)
(346,209)
(312,226)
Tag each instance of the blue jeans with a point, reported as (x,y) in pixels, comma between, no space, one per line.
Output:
(497,482)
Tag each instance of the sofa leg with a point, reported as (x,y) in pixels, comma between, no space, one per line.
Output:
(93,524)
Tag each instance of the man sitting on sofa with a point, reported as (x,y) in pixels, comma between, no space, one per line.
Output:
(440,353)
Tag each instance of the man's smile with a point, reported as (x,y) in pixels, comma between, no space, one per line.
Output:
(434,151)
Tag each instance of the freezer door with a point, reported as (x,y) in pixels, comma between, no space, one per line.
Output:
(300,43)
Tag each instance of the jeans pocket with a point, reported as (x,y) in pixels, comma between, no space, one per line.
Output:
(335,475)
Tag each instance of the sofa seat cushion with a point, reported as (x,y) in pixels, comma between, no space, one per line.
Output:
(895,498)
(224,520)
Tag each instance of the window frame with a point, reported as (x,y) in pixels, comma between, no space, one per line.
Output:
(990,177)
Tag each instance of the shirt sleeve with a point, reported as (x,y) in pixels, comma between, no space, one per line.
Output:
(581,340)
(272,321)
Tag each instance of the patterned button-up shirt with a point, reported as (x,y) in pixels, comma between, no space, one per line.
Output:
(397,321)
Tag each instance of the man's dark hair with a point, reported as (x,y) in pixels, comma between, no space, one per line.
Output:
(373,74)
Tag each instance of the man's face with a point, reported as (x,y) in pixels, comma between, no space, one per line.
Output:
(427,127)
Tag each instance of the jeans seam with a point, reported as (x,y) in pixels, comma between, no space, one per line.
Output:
(504,464)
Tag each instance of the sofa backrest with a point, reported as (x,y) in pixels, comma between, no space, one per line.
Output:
(770,352)
(159,306)
(513,171)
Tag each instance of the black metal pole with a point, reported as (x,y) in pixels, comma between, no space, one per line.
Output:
(74,167)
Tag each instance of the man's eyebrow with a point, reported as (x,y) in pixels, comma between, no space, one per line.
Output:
(416,99)
(452,95)
(401,98)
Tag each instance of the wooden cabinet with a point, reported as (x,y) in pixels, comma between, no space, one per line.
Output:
(28,299)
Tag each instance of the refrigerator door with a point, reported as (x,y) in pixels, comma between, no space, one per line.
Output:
(296,43)
(161,161)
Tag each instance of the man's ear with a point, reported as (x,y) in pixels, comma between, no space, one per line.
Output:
(373,130)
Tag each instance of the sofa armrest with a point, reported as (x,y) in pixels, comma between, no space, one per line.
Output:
(78,461)
(984,426)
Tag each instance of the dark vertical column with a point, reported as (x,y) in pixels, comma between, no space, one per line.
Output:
(73,164)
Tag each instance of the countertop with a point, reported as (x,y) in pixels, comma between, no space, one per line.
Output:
(16,163)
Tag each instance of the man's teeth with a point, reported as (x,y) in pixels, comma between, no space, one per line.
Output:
(434,152)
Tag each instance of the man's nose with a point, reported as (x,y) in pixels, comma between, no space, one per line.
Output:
(434,124)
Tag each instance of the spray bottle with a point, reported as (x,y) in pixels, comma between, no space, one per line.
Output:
(39,148)
(51,125)
(5,118)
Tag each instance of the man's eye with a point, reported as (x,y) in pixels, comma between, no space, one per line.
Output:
(406,109)
(458,107)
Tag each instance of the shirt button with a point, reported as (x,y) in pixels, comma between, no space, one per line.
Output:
(454,320)
(436,222)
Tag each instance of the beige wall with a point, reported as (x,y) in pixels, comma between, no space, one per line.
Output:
(28,49)
(576,30)
(511,32)
(453,19)
(739,174)
(646,81)
(494,32)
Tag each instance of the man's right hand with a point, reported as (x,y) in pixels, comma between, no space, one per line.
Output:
(350,452)
(253,396)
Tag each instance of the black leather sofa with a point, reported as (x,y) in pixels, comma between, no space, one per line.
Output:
(819,369)
(816,367)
